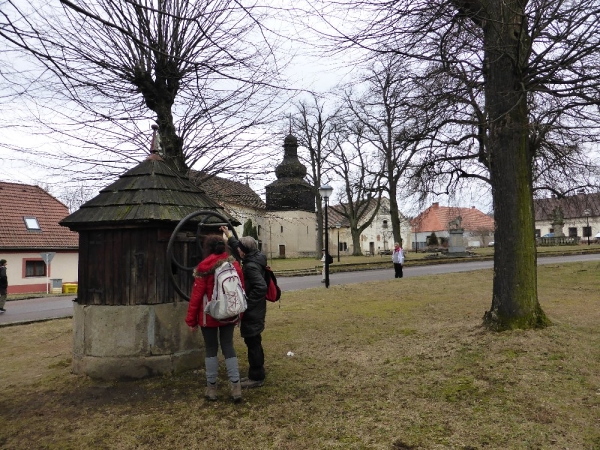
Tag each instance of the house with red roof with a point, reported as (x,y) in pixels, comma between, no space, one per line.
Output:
(478,227)
(29,218)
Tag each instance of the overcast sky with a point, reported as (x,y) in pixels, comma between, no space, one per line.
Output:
(312,69)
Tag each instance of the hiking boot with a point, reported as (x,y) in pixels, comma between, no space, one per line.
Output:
(211,392)
(236,392)
(247,383)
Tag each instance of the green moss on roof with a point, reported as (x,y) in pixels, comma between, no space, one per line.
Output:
(151,191)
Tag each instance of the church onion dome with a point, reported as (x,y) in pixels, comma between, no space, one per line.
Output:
(290,191)
(290,139)
(290,167)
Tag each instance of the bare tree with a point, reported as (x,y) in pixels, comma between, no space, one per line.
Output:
(316,129)
(204,71)
(516,49)
(354,163)
(391,124)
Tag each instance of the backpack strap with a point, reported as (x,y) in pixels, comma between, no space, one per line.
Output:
(205,305)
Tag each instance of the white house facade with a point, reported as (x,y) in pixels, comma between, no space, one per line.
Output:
(30,230)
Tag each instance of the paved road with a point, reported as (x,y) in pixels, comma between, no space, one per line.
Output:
(37,309)
(297,283)
(54,307)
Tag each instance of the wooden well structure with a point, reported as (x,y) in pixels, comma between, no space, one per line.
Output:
(128,319)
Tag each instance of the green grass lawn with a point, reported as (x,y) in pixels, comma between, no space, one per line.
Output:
(401,364)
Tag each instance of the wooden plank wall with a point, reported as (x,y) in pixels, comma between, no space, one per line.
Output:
(129,266)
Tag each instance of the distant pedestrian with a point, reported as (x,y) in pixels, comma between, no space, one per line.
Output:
(398,260)
(323,260)
(3,285)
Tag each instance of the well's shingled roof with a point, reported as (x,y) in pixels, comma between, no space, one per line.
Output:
(22,200)
(436,218)
(149,192)
(227,191)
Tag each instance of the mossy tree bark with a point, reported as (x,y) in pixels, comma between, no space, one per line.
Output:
(506,48)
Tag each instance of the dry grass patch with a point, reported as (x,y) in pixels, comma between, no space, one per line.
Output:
(389,365)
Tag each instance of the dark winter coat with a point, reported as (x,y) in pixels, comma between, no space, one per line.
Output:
(253,266)
(204,284)
(3,278)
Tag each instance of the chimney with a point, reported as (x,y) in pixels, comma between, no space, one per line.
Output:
(436,205)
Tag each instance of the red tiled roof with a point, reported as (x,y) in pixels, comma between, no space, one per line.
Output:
(21,200)
(436,218)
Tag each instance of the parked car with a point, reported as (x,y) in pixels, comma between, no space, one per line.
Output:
(548,235)
(491,244)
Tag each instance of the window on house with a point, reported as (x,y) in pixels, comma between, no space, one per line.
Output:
(343,246)
(587,231)
(538,232)
(572,231)
(35,269)
(31,223)
(282,228)
(258,230)
(385,224)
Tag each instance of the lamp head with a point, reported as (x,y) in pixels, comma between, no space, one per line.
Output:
(325,191)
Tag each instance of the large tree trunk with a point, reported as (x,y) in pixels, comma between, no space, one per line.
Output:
(395,214)
(356,249)
(515,302)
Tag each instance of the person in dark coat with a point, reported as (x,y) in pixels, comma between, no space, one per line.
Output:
(252,324)
(3,285)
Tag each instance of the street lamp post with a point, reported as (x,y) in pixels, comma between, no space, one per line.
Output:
(416,247)
(325,192)
(338,226)
(587,213)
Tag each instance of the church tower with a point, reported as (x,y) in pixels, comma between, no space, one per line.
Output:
(290,192)
(290,203)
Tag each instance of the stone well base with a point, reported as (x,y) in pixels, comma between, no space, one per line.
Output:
(131,342)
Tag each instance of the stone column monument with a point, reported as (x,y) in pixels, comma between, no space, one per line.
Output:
(456,242)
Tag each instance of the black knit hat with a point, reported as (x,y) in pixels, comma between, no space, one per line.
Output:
(2,262)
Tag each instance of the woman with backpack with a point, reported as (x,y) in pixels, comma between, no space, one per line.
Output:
(214,331)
